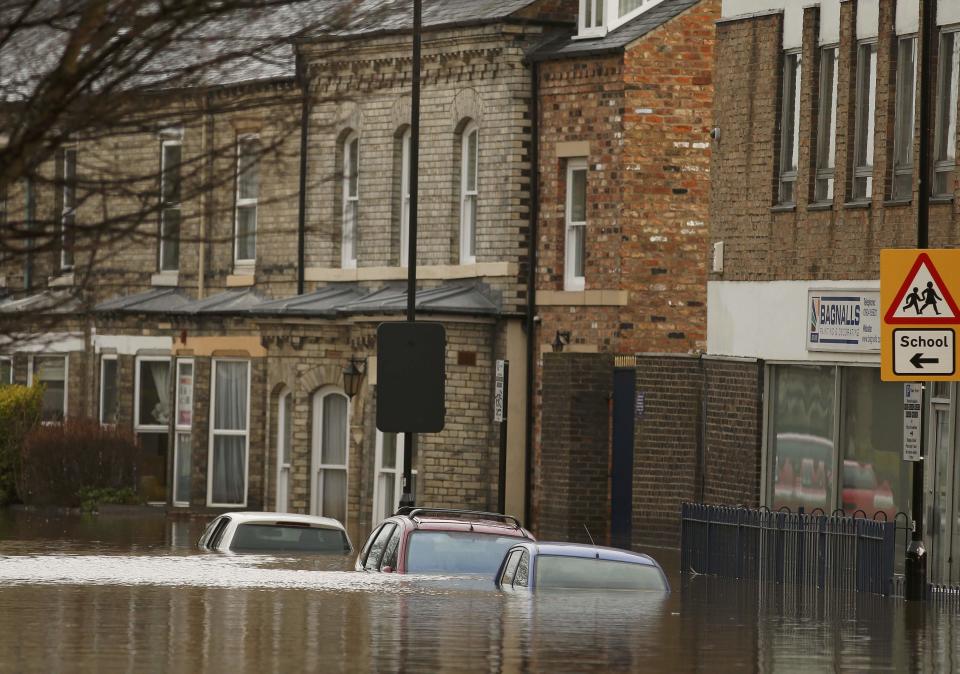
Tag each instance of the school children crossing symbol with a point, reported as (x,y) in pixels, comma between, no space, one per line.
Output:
(919,327)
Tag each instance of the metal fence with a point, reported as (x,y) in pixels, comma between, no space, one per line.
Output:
(815,550)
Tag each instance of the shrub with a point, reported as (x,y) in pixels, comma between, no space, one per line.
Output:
(62,463)
(19,414)
(91,498)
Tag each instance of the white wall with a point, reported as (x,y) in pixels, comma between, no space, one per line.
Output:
(769,320)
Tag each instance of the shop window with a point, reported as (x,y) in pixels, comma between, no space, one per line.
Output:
(865,111)
(903,129)
(945,144)
(790,127)
(227,474)
(576,227)
(469,163)
(351,201)
(51,371)
(152,425)
(826,126)
(109,400)
(170,205)
(248,194)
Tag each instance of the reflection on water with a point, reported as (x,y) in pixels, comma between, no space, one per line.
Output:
(132,594)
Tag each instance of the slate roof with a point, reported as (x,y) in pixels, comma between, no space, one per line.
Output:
(322,303)
(237,300)
(453,298)
(158,301)
(615,40)
(43,302)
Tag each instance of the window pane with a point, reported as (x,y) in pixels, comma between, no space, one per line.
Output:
(903,141)
(228,477)
(170,246)
(154,393)
(875,478)
(827,113)
(802,417)
(287,426)
(627,6)
(334,493)
(151,466)
(183,468)
(389,451)
(577,245)
(866,107)
(247,233)
(51,372)
(6,372)
(578,196)
(472,161)
(354,168)
(108,391)
(334,448)
(249,168)
(171,174)
(947,98)
(387,495)
(230,411)
(789,127)
(185,394)
(598,12)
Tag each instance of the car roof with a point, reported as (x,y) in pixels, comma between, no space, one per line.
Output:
(246,517)
(592,551)
(476,526)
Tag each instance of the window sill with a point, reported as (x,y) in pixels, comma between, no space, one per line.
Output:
(64,280)
(821,206)
(941,200)
(858,204)
(165,279)
(898,202)
(783,208)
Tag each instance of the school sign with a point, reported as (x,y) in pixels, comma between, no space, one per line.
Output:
(920,316)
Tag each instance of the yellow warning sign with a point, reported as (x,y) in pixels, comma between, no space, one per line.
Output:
(921,318)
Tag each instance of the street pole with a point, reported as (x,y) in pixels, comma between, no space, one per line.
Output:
(915,568)
(410,439)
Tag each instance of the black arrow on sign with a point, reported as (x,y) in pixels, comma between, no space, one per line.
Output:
(917,361)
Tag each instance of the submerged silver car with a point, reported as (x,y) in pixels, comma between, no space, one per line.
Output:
(275,532)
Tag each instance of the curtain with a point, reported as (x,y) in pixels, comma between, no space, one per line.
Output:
(334,448)
(334,494)
(230,411)
(230,414)
(160,374)
(228,478)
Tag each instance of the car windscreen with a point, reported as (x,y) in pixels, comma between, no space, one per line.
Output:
(457,552)
(586,573)
(288,538)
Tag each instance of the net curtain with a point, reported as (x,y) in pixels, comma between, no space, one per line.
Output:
(230,415)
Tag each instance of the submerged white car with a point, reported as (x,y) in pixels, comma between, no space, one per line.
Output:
(275,532)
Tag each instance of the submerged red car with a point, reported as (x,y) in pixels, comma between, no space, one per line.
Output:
(436,540)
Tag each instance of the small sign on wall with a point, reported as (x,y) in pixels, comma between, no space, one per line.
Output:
(638,405)
(498,384)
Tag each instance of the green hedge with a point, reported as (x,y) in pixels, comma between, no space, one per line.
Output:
(19,414)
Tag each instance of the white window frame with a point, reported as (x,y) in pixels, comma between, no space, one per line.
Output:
(468,230)
(350,216)
(284,410)
(316,486)
(863,166)
(247,202)
(68,213)
(9,361)
(169,206)
(405,198)
(179,428)
(66,378)
(105,358)
(214,432)
(790,128)
(611,19)
(571,281)
(903,128)
(137,426)
(948,163)
(826,170)
(396,472)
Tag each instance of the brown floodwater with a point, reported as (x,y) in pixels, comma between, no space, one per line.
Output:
(133,594)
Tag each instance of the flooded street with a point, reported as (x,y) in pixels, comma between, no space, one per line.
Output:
(119,593)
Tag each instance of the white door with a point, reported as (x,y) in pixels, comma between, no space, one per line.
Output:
(328,483)
(284,442)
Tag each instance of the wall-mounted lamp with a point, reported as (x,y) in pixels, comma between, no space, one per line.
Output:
(353,375)
(561,340)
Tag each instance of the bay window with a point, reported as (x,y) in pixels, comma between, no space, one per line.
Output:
(790,127)
(229,434)
(826,126)
(576,219)
(865,111)
(248,193)
(903,129)
(945,143)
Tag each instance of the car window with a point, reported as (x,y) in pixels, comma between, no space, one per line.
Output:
(288,538)
(378,547)
(522,577)
(208,532)
(555,572)
(457,552)
(390,554)
(216,535)
(369,544)
(510,568)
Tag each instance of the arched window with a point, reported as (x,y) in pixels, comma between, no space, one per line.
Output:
(469,162)
(405,197)
(351,201)
(331,424)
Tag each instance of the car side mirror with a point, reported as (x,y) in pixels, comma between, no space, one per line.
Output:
(387,569)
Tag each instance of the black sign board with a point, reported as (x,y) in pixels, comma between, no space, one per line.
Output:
(411,378)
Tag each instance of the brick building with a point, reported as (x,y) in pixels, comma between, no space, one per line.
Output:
(221,339)
(625,112)
(815,171)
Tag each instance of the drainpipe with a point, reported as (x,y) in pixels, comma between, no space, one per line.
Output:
(303,77)
(532,281)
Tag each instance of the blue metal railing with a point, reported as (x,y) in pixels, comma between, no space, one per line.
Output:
(806,549)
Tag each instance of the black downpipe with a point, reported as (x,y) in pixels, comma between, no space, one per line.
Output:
(304,78)
(532,280)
